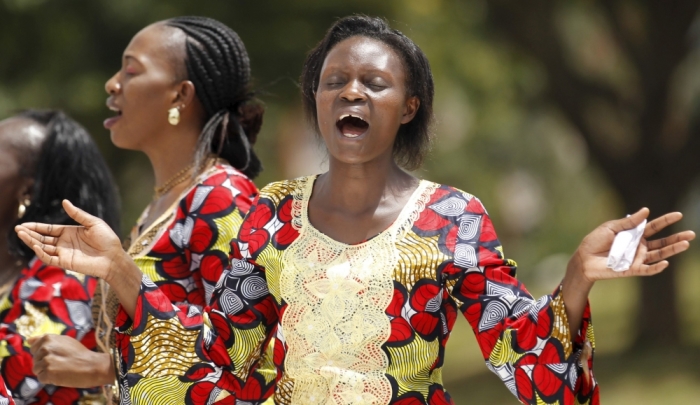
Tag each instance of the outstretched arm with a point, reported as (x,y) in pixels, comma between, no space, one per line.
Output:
(589,262)
(91,248)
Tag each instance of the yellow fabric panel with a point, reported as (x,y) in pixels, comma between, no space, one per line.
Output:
(164,348)
(245,349)
(271,260)
(228,229)
(503,352)
(5,303)
(419,258)
(3,349)
(278,190)
(436,376)
(159,391)
(410,365)
(147,265)
(270,257)
(560,324)
(267,366)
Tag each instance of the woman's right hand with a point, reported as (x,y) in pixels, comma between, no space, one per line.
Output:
(91,248)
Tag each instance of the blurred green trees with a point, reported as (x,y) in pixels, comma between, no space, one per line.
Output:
(620,72)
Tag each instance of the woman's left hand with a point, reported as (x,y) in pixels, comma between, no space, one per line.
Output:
(62,360)
(590,259)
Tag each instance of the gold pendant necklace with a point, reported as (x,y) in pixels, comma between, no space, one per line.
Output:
(178,178)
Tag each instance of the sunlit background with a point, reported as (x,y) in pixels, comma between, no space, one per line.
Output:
(559,115)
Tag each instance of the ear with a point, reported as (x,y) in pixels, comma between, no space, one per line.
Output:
(184,94)
(410,109)
(24,191)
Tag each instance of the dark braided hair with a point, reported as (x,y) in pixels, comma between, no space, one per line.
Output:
(218,66)
(413,139)
(68,166)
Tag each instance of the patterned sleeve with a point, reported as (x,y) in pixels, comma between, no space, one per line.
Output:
(45,299)
(5,395)
(206,222)
(526,342)
(170,353)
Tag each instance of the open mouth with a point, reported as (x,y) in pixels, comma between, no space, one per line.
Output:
(109,122)
(116,110)
(352,126)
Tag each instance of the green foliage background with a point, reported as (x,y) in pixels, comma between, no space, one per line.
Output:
(494,138)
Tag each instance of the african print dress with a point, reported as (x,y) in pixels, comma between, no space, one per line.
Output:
(355,324)
(185,251)
(5,396)
(44,299)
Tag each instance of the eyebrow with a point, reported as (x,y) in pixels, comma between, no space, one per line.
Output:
(131,57)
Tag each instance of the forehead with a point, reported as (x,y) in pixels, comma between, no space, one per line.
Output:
(360,52)
(21,134)
(158,44)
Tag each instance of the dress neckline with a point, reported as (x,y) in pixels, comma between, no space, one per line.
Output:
(410,211)
(145,236)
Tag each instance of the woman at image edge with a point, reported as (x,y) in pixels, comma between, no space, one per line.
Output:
(46,157)
(358,272)
(182,97)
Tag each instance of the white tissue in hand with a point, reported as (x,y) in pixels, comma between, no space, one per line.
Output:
(624,247)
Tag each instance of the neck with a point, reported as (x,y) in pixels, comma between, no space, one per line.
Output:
(172,153)
(356,188)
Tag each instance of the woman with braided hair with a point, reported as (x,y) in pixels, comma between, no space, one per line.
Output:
(359,273)
(46,157)
(182,97)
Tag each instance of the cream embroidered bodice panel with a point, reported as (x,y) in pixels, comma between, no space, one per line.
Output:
(337,294)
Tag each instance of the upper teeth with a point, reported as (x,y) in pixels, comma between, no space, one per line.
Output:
(347,116)
(113,108)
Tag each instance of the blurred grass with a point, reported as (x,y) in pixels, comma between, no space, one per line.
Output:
(658,376)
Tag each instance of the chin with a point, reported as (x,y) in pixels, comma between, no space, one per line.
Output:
(121,142)
(351,159)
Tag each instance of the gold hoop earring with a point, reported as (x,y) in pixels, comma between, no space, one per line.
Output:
(174,116)
(22,209)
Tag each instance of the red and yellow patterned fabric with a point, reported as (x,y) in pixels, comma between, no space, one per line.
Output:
(185,251)
(44,299)
(5,396)
(355,324)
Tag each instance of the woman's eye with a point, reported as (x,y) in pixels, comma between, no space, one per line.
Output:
(376,86)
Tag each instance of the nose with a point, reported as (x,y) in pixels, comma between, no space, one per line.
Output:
(112,86)
(352,92)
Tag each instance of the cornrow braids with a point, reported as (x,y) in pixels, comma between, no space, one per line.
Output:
(218,66)
(413,138)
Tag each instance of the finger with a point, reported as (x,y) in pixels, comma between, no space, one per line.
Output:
(36,343)
(42,375)
(661,222)
(629,222)
(32,243)
(47,240)
(666,252)
(648,269)
(38,370)
(80,216)
(669,240)
(27,239)
(44,229)
(44,256)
